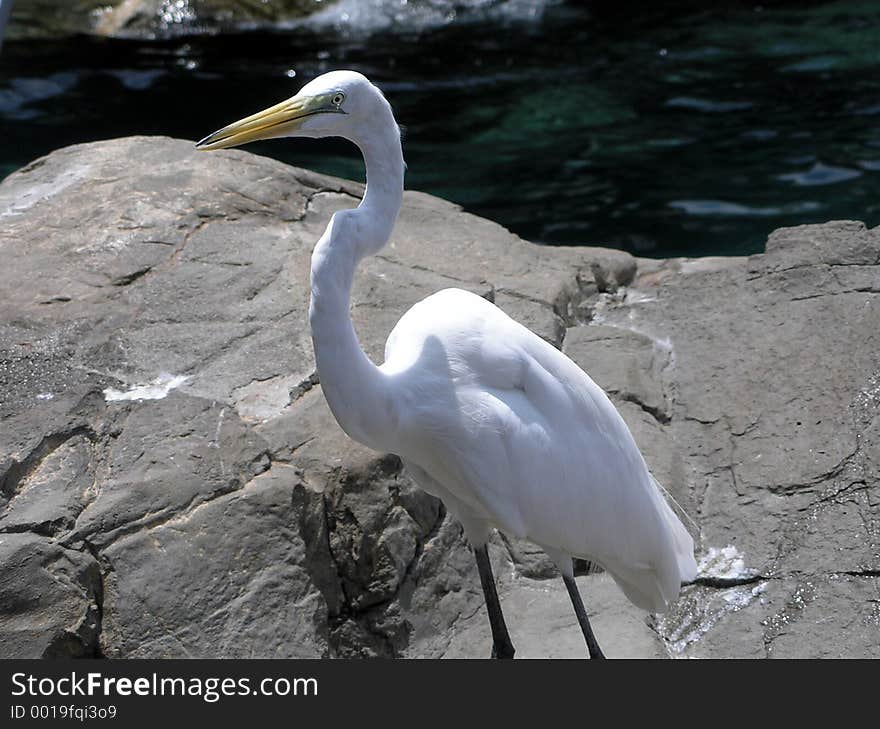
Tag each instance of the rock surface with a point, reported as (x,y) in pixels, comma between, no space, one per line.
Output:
(148,18)
(173,484)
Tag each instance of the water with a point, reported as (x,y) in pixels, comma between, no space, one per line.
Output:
(691,129)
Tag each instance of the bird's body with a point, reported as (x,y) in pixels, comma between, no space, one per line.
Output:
(487,416)
(524,441)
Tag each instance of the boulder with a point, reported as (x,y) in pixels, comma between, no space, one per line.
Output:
(173,484)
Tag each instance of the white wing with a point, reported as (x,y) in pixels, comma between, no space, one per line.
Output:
(512,434)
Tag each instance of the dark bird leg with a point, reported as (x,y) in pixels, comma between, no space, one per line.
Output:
(592,645)
(501,645)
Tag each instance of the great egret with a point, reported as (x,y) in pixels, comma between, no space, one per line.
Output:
(505,429)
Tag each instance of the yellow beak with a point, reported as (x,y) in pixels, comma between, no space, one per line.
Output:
(280,120)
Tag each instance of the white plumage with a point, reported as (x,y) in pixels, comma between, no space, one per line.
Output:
(510,433)
(487,416)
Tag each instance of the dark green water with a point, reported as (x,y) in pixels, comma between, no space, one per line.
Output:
(686,129)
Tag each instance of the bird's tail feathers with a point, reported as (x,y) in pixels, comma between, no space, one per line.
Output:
(646,587)
(682,545)
(678,507)
(656,583)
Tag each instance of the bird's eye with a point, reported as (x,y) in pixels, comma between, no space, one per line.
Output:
(337,99)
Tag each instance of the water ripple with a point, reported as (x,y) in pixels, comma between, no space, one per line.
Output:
(820,174)
(725,208)
(708,105)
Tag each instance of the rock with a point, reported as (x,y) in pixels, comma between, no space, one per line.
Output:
(173,484)
(228,577)
(56,490)
(147,18)
(537,613)
(50,598)
(629,364)
(772,390)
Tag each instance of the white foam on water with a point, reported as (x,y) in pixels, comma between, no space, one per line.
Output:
(703,610)
(371,16)
(704,617)
(726,563)
(634,296)
(156,390)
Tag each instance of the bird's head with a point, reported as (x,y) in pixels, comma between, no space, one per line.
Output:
(336,104)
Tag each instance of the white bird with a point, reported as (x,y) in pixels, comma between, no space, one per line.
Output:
(504,428)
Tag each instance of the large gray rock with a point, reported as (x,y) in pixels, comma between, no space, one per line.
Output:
(761,400)
(167,450)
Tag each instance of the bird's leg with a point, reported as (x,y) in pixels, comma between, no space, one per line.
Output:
(592,645)
(501,645)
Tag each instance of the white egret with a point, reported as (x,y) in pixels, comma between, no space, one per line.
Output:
(505,429)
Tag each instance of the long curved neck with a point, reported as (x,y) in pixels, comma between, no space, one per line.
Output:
(356,390)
